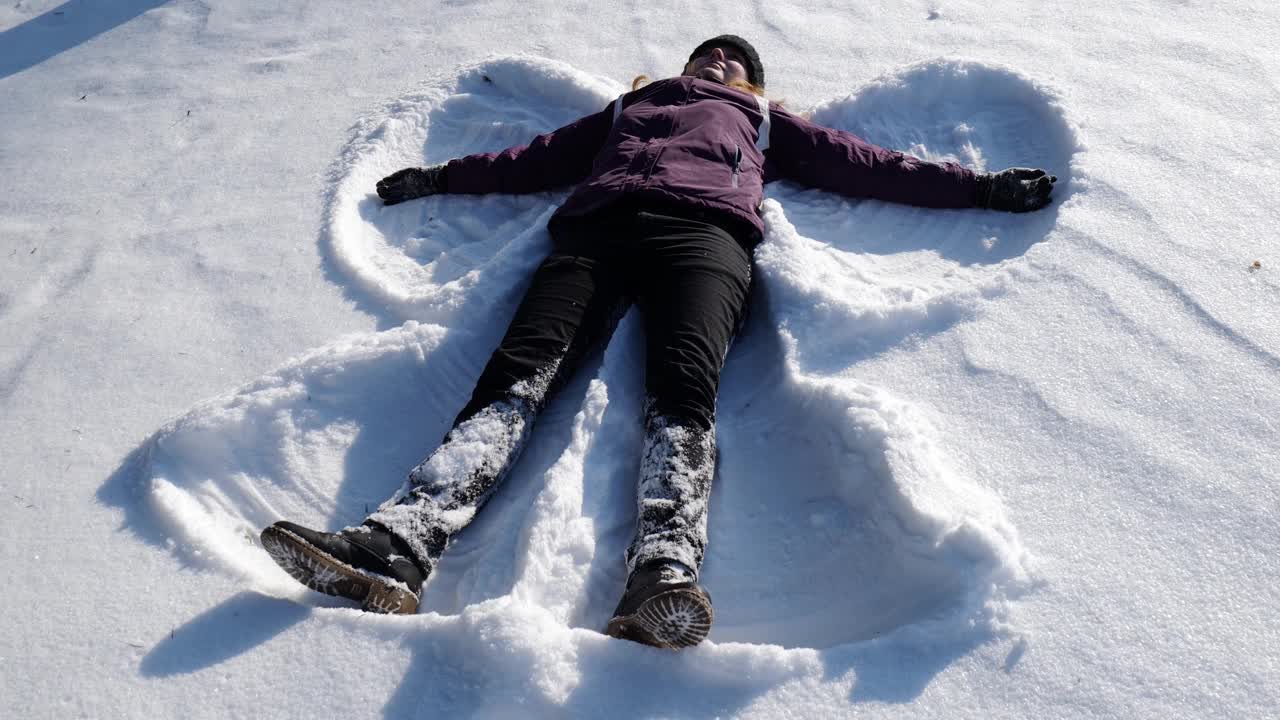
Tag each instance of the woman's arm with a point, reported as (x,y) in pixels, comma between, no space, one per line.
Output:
(842,162)
(555,159)
(559,158)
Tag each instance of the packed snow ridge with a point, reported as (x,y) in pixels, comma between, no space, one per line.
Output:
(836,521)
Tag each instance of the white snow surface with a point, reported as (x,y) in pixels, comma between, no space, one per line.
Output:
(972,464)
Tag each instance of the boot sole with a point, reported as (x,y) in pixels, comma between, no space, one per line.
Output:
(672,619)
(324,573)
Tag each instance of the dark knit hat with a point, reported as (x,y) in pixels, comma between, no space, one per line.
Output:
(755,70)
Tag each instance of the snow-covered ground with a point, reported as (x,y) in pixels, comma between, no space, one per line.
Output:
(973,464)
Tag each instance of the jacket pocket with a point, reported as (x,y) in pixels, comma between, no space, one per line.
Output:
(737,163)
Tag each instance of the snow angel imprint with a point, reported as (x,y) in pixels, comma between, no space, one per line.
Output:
(665,213)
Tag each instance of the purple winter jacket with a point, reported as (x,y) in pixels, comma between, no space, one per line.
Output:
(688,142)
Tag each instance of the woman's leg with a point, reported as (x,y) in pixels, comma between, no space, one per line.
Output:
(571,307)
(572,304)
(693,290)
(692,280)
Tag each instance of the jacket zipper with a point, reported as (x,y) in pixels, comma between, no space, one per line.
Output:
(737,163)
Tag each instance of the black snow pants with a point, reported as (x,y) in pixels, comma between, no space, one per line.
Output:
(690,277)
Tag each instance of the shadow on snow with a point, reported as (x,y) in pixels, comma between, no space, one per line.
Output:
(63,28)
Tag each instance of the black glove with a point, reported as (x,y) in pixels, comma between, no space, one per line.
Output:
(413,183)
(1015,189)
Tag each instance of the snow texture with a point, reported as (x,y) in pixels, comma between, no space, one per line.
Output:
(677,466)
(971,464)
(443,494)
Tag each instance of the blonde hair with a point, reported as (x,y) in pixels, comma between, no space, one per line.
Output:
(743,85)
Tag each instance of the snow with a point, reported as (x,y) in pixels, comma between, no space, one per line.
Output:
(972,464)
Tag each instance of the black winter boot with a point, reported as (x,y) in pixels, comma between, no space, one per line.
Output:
(663,606)
(366,564)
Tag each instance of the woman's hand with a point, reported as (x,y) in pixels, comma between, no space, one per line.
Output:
(1015,189)
(412,183)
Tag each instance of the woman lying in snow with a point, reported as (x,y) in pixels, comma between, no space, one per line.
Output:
(669,180)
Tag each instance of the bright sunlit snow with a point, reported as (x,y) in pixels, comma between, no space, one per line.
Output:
(972,464)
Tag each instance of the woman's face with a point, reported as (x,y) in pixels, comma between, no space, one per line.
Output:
(720,63)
